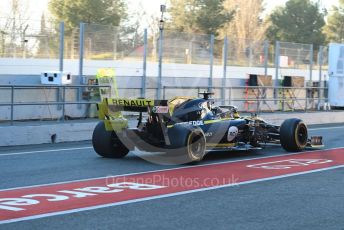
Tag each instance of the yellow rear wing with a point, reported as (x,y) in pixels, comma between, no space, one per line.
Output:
(110,110)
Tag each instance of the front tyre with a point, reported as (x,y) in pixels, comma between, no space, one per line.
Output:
(293,135)
(107,144)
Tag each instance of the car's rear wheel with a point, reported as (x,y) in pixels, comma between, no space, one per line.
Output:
(188,143)
(195,145)
(293,135)
(107,144)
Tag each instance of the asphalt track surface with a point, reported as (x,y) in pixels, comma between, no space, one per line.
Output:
(312,199)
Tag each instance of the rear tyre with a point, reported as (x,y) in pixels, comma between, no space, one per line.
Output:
(293,135)
(188,143)
(107,144)
(195,145)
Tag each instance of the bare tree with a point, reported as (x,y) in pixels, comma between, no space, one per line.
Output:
(13,27)
(151,23)
(247,30)
(248,22)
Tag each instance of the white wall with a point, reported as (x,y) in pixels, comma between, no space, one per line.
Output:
(135,68)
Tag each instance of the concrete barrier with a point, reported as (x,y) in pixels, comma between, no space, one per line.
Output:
(46,133)
(32,134)
(310,118)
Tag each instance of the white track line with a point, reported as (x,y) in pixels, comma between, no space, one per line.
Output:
(327,128)
(44,151)
(165,196)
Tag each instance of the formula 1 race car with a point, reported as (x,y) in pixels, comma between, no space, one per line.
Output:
(190,128)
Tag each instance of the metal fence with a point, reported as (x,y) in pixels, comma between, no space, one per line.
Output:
(248,52)
(64,102)
(54,99)
(293,56)
(45,39)
(259,99)
(167,51)
(186,48)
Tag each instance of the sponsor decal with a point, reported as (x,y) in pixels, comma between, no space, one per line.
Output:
(193,123)
(160,109)
(131,103)
(21,203)
(208,134)
(232,133)
(196,123)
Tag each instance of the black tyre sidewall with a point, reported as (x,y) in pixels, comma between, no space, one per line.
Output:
(197,156)
(107,144)
(180,137)
(289,135)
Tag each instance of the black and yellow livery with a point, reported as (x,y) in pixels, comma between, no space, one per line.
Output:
(190,127)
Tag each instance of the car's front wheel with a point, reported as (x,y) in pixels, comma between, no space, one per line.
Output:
(293,135)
